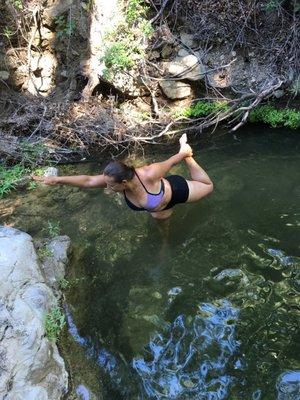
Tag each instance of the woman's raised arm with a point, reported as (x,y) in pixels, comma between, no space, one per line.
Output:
(160,169)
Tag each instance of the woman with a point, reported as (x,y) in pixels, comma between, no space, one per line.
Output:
(147,188)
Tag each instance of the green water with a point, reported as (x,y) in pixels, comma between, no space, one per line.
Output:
(204,308)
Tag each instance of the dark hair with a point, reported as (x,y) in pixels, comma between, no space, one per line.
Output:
(119,171)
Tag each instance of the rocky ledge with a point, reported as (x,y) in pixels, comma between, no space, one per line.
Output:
(30,365)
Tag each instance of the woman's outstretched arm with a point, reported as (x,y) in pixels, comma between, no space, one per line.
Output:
(83,181)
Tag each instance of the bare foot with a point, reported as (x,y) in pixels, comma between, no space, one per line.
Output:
(184,147)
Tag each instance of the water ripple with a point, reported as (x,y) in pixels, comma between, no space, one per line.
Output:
(190,360)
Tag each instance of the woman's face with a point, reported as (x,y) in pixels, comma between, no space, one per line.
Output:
(114,186)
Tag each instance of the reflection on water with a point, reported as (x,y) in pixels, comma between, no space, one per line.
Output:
(288,386)
(190,361)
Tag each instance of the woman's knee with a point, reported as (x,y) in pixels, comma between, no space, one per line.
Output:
(198,190)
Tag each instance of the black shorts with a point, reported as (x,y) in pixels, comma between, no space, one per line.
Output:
(180,190)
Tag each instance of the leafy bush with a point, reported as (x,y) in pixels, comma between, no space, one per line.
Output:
(53,228)
(118,55)
(292,119)
(203,108)
(17,4)
(9,177)
(44,252)
(135,9)
(271,116)
(126,44)
(54,323)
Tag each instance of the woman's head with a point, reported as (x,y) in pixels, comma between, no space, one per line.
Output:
(117,174)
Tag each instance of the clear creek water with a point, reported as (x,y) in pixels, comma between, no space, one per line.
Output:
(205,307)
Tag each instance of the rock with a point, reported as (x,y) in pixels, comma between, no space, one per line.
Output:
(53,267)
(51,171)
(47,64)
(43,67)
(4,75)
(31,367)
(57,8)
(279,93)
(154,55)
(183,53)
(187,67)
(187,39)
(219,79)
(175,89)
(40,85)
(43,34)
(46,34)
(167,50)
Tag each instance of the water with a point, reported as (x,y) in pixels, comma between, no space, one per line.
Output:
(206,307)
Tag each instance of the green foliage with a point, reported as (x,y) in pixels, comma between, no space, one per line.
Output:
(32,185)
(146,28)
(64,26)
(135,10)
(64,284)
(53,228)
(8,32)
(272,5)
(54,323)
(126,44)
(292,119)
(88,6)
(9,177)
(118,55)
(271,116)
(17,4)
(203,108)
(39,171)
(44,252)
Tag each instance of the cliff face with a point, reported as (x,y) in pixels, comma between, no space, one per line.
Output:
(30,363)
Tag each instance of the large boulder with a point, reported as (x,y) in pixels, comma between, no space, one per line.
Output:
(31,367)
(175,89)
(185,66)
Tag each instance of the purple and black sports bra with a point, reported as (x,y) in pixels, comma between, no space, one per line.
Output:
(153,199)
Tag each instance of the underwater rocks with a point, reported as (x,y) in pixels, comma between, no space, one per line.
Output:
(31,367)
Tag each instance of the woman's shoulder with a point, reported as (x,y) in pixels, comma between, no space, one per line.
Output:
(146,173)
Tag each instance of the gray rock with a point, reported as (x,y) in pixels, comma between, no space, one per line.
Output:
(167,50)
(279,93)
(4,75)
(51,171)
(57,8)
(31,367)
(187,67)
(54,267)
(175,89)
(187,39)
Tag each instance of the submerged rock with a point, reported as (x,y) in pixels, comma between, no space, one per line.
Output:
(32,368)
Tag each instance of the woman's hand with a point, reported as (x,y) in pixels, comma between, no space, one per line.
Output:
(47,180)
